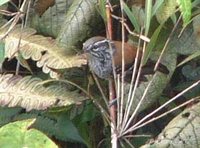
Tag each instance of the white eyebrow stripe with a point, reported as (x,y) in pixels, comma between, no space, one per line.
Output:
(103,41)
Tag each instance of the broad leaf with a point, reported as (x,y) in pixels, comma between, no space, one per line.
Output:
(19,135)
(79,20)
(49,23)
(131,17)
(29,93)
(44,50)
(182,131)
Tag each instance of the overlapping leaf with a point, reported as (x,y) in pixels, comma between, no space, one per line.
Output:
(186,44)
(50,22)
(80,18)
(41,49)
(182,131)
(18,134)
(28,93)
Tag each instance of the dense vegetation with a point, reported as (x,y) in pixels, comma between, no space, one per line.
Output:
(50,98)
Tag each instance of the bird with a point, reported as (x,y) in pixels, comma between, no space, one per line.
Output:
(102,53)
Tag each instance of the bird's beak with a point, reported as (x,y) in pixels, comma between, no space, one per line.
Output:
(85,48)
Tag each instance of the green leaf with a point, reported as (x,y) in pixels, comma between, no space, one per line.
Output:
(3,2)
(2,53)
(185,7)
(152,44)
(81,17)
(182,131)
(131,17)
(148,14)
(156,6)
(102,9)
(166,10)
(19,135)
(68,129)
(195,3)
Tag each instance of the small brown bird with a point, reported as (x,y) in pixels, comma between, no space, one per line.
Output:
(100,58)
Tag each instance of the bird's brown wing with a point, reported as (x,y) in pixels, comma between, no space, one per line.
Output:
(129,54)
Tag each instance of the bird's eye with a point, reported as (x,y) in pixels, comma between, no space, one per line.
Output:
(95,48)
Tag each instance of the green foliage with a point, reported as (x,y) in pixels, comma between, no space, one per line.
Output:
(7,114)
(186,8)
(2,53)
(19,135)
(3,2)
(148,15)
(81,11)
(131,17)
(29,93)
(166,10)
(157,5)
(58,105)
(102,9)
(152,43)
(43,50)
(182,131)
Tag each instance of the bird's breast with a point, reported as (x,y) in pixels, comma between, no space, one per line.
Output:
(102,68)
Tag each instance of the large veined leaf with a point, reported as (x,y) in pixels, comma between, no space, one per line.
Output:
(28,93)
(80,18)
(182,131)
(186,44)
(49,23)
(18,135)
(41,49)
(54,123)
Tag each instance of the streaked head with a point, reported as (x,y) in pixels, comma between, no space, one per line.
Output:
(94,44)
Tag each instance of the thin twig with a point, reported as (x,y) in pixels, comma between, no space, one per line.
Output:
(140,102)
(120,114)
(134,89)
(166,113)
(136,136)
(17,16)
(112,83)
(7,13)
(123,67)
(103,111)
(101,90)
(128,142)
(142,37)
(166,44)
(129,102)
(162,106)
